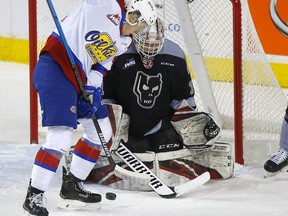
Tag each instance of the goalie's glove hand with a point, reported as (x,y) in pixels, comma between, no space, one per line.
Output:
(85,109)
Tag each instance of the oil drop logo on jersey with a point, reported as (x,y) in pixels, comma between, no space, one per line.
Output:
(101,46)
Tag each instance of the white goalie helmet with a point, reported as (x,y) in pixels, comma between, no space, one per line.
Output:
(145,9)
(149,42)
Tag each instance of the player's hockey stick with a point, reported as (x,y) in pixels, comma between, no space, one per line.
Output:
(155,182)
(119,171)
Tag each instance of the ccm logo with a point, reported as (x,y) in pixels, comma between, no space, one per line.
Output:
(169,146)
(174,27)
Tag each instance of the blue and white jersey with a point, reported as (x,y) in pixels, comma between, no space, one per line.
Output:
(92,32)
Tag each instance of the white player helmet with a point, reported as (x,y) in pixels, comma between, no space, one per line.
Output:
(149,42)
(145,9)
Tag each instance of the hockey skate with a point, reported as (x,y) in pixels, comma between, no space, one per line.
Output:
(74,196)
(33,204)
(276,163)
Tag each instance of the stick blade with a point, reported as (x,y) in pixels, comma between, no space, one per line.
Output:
(191,185)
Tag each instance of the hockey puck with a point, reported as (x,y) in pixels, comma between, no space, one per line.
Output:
(110,196)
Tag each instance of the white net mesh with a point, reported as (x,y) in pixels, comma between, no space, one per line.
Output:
(45,23)
(264,102)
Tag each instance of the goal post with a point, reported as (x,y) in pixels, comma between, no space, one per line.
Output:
(33,55)
(232,77)
(201,74)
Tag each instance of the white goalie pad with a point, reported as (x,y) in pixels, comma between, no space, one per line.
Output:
(120,124)
(178,167)
(103,174)
(173,168)
(196,128)
(221,160)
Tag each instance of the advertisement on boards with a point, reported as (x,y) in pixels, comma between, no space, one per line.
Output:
(273,39)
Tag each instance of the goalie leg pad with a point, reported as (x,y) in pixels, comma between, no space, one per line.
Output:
(221,161)
(178,167)
(174,167)
(103,174)
(120,124)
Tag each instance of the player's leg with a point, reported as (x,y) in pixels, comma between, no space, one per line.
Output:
(280,159)
(58,100)
(85,154)
(102,172)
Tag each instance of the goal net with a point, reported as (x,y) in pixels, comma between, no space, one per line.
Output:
(232,77)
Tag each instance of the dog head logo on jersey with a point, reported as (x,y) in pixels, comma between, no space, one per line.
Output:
(147,89)
(101,46)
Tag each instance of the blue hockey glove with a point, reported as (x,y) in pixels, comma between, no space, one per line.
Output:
(85,109)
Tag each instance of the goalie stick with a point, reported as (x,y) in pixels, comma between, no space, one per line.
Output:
(155,182)
(118,171)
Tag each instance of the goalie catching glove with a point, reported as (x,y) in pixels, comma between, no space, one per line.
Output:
(196,128)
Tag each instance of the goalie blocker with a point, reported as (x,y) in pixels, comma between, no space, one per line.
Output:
(198,155)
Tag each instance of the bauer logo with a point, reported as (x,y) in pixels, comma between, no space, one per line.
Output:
(101,47)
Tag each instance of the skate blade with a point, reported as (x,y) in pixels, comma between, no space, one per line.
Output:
(75,205)
(282,172)
(269,174)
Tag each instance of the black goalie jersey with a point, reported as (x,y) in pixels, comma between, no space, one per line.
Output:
(148,95)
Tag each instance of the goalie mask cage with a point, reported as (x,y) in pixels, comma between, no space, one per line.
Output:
(232,77)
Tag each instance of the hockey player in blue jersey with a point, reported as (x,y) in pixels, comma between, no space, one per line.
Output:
(96,32)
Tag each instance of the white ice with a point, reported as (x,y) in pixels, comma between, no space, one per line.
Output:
(246,194)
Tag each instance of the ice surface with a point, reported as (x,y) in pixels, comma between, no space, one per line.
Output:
(246,194)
